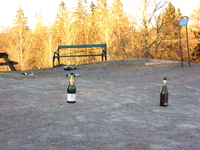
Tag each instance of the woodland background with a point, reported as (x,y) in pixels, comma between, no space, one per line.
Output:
(153,34)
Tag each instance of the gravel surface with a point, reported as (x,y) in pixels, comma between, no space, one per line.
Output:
(117,108)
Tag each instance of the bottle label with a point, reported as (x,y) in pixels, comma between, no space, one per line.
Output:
(71,97)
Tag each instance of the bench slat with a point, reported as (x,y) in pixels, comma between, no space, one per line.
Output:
(2,55)
(81,46)
(78,55)
(10,62)
(13,62)
(3,64)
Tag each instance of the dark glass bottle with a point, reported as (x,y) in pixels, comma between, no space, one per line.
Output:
(71,90)
(164,94)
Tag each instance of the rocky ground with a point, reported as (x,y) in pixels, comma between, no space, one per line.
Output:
(117,107)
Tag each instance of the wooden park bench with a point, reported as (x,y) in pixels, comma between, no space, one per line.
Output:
(76,53)
(8,62)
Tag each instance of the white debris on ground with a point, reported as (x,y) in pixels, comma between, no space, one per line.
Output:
(159,62)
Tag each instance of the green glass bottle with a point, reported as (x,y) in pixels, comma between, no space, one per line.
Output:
(71,90)
(164,94)
(67,68)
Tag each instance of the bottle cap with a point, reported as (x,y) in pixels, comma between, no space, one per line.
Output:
(71,74)
(164,80)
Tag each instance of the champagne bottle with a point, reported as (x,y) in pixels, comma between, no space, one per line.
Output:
(164,94)
(66,68)
(71,90)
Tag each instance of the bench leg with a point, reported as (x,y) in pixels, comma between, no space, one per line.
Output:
(53,61)
(11,65)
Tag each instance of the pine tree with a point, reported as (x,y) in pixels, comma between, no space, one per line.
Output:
(62,24)
(196,26)
(171,18)
(81,22)
(120,19)
(195,52)
(170,29)
(94,35)
(104,24)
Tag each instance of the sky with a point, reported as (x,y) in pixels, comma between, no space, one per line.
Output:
(49,8)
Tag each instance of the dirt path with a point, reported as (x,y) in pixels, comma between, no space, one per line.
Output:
(117,108)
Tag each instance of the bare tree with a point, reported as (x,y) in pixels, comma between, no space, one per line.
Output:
(20,33)
(148,11)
